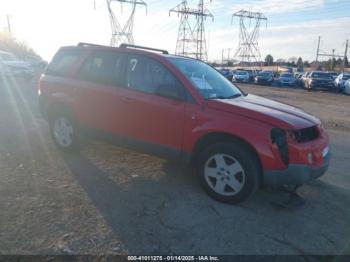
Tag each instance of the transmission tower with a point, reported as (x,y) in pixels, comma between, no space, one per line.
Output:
(191,35)
(249,28)
(123,34)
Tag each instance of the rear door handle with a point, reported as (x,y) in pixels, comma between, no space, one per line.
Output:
(126,99)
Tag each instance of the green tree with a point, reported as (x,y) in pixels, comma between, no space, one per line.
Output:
(20,49)
(300,63)
(269,60)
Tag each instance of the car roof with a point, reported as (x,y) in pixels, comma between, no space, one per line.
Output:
(4,52)
(125,48)
(132,49)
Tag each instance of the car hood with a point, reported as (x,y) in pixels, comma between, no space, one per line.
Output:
(265,110)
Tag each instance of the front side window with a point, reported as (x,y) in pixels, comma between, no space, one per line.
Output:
(149,76)
(102,67)
(209,82)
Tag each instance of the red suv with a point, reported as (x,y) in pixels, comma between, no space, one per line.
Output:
(181,108)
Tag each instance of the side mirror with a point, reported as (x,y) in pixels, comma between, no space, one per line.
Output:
(169,91)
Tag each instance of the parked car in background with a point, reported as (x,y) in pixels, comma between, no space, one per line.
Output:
(181,109)
(241,76)
(11,66)
(226,73)
(319,79)
(36,63)
(347,87)
(340,80)
(252,74)
(287,79)
(299,79)
(333,74)
(264,78)
(304,78)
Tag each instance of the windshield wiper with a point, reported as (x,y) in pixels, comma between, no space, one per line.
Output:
(224,97)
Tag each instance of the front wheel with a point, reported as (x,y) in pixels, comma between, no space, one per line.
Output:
(229,172)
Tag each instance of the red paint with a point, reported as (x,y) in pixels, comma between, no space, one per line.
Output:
(180,124)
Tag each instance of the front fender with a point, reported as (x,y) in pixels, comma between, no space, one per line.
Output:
(252,132)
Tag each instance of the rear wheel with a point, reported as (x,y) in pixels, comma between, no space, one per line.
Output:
(64,131)
(229,172)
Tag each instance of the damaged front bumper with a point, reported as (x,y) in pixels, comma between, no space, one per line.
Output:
(296,174)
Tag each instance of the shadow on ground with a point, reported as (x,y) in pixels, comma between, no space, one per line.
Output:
(173,216)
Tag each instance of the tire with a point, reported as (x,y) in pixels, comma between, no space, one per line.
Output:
(64,131)
(229,172)
(308,88)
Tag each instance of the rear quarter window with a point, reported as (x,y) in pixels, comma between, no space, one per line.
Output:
(104,67)
(63,62)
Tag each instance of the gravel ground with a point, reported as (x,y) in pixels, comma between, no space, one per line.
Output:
(109,200)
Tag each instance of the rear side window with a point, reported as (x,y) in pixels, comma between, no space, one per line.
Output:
(63,61)
(150,76)
(102,67)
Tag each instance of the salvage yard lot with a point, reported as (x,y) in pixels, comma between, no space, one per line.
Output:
(111,200)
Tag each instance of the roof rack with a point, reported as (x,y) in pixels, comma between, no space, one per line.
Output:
(88,44)
(143,47)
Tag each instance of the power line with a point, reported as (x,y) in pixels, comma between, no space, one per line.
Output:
(191,36)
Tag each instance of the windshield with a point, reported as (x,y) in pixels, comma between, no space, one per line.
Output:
(265,74)
(287,75)
(241,73)
(7,57)
(209,83)
(346,77)
(320,75)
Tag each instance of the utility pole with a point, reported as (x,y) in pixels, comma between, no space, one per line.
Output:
(318,49)
(8,24)
(323,54)
(191,36)
(248,47)
(123,34)
(222,57)
(345,55)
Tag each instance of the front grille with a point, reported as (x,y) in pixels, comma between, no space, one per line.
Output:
(306,134)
